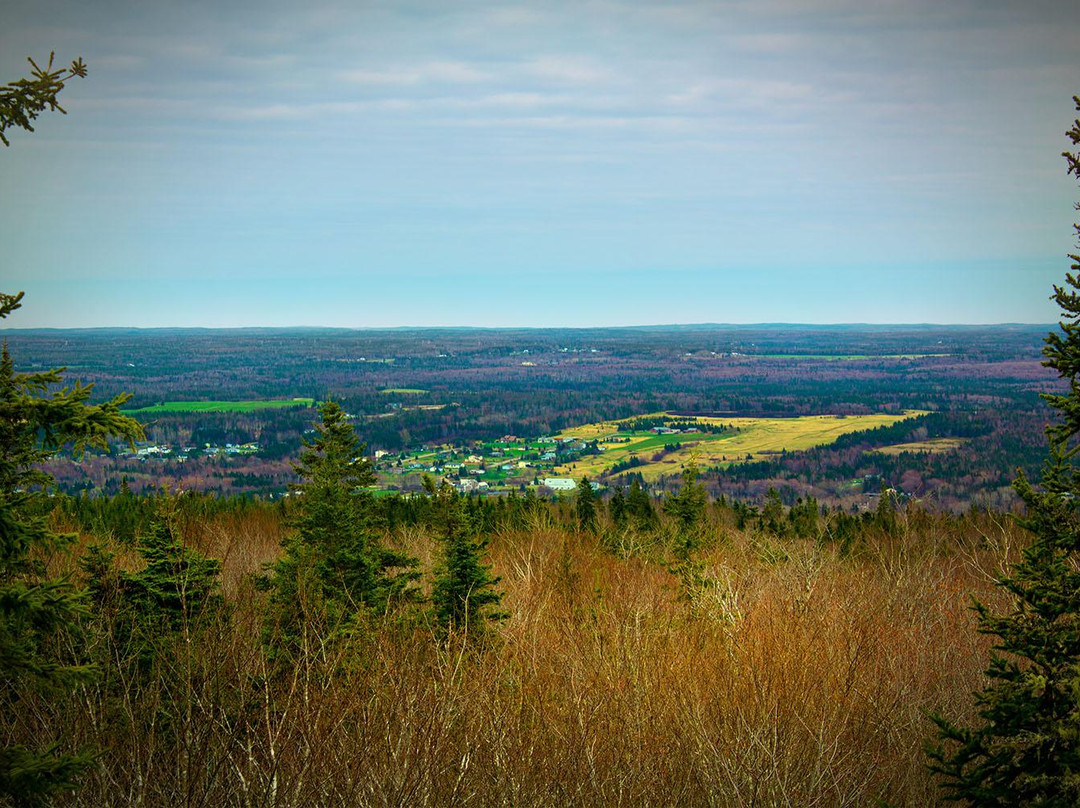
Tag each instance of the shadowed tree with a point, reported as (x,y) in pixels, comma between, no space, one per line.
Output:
(37,418)
(1026,749)
(585,506)
(464,593)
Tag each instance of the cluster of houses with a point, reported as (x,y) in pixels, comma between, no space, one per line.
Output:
(163,450)
(507,460)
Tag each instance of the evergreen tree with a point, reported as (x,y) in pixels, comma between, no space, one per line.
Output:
(1026,750)
(173,597)
(617,508)
(177,589)
(464,594)
(772,514)
(37,418)
(803,517)
(334,568)
(688,505)
(585,505)
(640,508)
(885,513)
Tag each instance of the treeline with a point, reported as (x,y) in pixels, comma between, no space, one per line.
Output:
(673,422)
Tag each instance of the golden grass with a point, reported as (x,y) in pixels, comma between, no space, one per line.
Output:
(756,439)
(932,446)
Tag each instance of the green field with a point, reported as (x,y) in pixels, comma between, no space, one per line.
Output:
(173,407)
(754,438)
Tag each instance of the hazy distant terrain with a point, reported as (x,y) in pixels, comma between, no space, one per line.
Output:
(413,391)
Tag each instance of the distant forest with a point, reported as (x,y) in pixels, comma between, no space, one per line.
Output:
(409,388)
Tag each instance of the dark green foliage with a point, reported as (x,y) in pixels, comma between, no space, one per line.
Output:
(688,505)
(640,509)
(803,518)
(1026,749)
(37,417)
(585,506)
(617,508)
(32,777)
(743,513)
(177,589)
(172,598)
(885,513)
(845,529)
(772,514)
(23,100)
(334,569)
(464,594)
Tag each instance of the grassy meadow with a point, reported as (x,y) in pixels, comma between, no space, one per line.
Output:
(751,438)
(766,670)
(173,407)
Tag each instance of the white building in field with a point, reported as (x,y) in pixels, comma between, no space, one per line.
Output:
(559,483)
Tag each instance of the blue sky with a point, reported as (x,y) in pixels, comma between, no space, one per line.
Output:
(543,164)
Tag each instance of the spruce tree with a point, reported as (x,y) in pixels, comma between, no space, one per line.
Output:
(177,591)
(640,508)
(37,418)
(585,505)
(464,594)
(617,508)
(334,569)
(1026,749)
(688,505)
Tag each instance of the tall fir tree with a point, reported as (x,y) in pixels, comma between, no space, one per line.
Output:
(617,508)
(464,595)
(640,508)
(38,416)
(1026,750)
(687,506)
(585,505)
(334,569)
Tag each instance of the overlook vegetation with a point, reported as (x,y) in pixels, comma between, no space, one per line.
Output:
(657,645)
(763,655)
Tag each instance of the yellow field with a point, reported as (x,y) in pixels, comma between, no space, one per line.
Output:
(932,446)
(756,439)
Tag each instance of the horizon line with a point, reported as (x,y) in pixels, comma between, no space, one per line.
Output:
(775,324)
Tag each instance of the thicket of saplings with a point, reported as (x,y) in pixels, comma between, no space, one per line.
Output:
(671,653)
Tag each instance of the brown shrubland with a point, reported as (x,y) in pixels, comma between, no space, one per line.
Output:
(767,671)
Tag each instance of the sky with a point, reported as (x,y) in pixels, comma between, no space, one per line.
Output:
(433,162)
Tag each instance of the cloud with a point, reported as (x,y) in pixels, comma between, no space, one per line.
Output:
(746,91)
(569,69)
(439,72)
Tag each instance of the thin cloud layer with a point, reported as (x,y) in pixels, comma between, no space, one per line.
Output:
(748,145)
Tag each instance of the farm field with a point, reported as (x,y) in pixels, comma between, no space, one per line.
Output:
(929,446)
(747,439)
(170,407)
